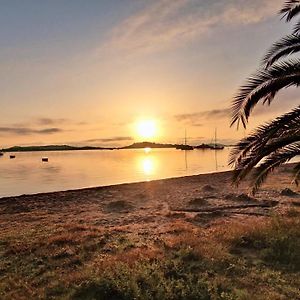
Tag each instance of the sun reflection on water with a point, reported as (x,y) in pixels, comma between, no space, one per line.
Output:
(147,165)
(147,149)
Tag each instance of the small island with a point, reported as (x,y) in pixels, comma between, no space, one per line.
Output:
(51,148)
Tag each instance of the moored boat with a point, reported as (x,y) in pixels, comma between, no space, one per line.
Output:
(216,146)
(203,146)
(185,146)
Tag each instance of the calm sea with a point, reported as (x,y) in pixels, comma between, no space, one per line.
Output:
(27,174)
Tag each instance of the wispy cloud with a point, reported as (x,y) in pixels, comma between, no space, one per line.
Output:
(109,140)
(164,23)
(50,121)
(196,119)
(290,98)
(28,131)
(39,126)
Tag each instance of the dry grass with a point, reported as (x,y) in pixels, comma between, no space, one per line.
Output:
(230,259)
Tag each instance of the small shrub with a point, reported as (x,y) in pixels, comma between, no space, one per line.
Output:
(144,281)
(278,243)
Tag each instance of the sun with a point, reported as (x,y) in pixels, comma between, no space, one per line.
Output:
(146,129)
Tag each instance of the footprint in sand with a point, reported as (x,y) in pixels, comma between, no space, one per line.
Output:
(120,206)
(198,202)
(208,188)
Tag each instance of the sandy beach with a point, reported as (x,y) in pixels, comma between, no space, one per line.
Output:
(149,207)
(61,235)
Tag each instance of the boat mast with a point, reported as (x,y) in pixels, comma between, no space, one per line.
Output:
(185,136)
(215,137)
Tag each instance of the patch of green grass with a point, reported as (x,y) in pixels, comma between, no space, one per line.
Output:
(169,279)
(278,244)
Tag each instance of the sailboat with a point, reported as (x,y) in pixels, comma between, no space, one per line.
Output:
(185,146)
(216,146)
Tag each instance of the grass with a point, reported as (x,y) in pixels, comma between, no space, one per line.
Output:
(278,244)
(167,279)
(251,260)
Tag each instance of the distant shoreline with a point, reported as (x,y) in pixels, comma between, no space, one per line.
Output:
(140,145)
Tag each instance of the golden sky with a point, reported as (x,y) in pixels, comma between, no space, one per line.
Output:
(87,72)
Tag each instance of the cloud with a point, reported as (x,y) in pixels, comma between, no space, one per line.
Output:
(46,121)
(50,121)
(164,23)
(109,140)
(56,121)
(28,131)
(48,130)
(194,118)
(290,98)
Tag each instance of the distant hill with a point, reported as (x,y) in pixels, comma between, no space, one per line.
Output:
(51,148)
(148,145)
(141,145)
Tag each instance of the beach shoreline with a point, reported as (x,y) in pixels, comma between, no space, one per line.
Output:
(177,193)
(186,178)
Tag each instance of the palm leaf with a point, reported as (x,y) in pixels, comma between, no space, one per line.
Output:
(272,161)
(265,140)
(251,151)
(277,142)
(285,125)
(284,47)
(297,28)
(255,157)
(264,85)
(290,9)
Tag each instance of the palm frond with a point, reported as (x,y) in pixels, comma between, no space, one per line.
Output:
(264,85)
(272,161)
(297,28)
(256,156)
(283,126)
(276,142)
(284,47)
(266,139)
(290,9)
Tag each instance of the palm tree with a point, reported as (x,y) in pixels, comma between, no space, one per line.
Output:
(277,142)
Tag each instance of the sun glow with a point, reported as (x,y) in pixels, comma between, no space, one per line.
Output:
(146,129)
(147,150)
(148,165)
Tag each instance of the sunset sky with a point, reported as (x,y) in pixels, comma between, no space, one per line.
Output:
(87,72)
